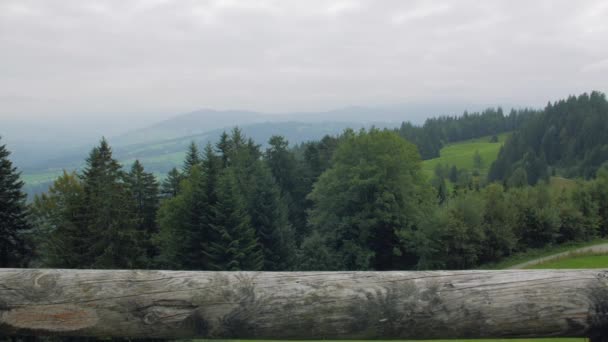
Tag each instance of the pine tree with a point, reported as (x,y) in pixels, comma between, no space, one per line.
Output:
(61,237)
(170,185)
(13,213)
(184,226)
(262,199)
(281,162)
(211,167)
(223,147)
(269,219)
(108,212)
(144,191)
(192,158)
(234,246)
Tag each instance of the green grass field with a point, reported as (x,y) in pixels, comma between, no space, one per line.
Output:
(532,254)
(461,154)
(576,261)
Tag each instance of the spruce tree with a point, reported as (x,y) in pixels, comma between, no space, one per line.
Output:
(61,238)
(170,185)
(211,167)
(192,158)
(282,164)
(144,191)
(269,219)
(13,213)
(183,222)
(234,245)
(108,212)
(223,147)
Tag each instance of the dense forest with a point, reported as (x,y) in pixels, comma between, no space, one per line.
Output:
(568,138)
(356,201)
(436,132)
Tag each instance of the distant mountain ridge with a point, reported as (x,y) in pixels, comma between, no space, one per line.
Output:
(161,145)
(191,123)
(205,120)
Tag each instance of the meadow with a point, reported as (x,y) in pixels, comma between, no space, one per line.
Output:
(460,154)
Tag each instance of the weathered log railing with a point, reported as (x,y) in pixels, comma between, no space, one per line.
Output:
(304,305)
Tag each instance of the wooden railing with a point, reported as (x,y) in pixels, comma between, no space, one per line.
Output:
(304,305)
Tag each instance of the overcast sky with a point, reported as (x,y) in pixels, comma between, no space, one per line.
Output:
(94,58)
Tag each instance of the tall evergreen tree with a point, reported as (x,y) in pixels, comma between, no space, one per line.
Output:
(61,237)
(170,185)
(144,191)
(13,213)
(234,246)
(269,218)
(184,222)
(193,158)
(211,166)
(223,147)
(108,212)
(282,164)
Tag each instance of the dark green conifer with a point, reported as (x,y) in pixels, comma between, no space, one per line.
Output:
(109,212)
(144,191)
(193,158)
(170,185)
(13,213)
(234,246)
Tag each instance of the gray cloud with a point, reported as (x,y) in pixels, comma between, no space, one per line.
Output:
(62,58)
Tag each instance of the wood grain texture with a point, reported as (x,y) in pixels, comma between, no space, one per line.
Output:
(304,305)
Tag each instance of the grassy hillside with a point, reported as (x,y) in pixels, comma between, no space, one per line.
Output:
(461,154)
(576,261)
(532,254)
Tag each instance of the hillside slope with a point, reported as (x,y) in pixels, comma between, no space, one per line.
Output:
(461,154)
(568,138)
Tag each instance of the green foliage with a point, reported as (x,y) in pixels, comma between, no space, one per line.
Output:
(370,200)
(431,137)
(568,135)
(184,225)
(585,261)
(170,185)
(358,201)
(498,217)
(477,160)
(193,158)
(145,194)
(13,214)
(108,213)
(599,194)
(92,220)
(460,232)
(61,237)
(461,155)
(234,245)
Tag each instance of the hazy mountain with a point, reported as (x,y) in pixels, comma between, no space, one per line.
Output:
(192,123)
(206,120)
(42,149)
(162,155)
